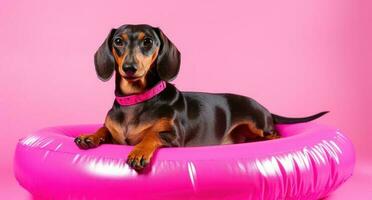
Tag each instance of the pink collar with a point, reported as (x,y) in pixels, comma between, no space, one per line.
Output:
(139,98)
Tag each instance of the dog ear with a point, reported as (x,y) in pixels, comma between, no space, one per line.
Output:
(104,60)
(169,58)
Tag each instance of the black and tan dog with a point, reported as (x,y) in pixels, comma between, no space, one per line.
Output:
(142,56)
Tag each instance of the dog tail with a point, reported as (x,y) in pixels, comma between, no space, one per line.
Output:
(287,120)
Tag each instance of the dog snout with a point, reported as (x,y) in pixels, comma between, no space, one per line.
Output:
(130,69)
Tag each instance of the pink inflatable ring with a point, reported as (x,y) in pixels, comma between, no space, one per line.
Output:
(309,162)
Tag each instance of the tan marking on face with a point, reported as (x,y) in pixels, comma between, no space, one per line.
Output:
(125,36)
(141,35)
(127,87)
(144,63)
(119,60)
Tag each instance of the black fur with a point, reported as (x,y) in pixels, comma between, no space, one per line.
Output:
(171,118)
(200,118)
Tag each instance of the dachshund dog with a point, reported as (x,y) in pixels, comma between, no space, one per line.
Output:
(143,58)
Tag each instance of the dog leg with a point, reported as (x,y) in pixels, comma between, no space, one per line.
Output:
(101,136)
(142,153)
(242,132)
(273,135)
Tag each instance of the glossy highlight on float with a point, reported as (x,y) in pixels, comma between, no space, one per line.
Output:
(308,162)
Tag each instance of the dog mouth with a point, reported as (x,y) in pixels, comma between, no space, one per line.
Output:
(132,78)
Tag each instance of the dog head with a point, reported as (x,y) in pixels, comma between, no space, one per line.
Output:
(134,51)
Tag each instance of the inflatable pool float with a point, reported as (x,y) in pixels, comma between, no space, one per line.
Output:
(309,162)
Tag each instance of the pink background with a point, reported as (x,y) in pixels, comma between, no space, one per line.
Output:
(295,57)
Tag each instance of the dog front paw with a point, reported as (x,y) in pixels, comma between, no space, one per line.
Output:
(87,141)
(139,158)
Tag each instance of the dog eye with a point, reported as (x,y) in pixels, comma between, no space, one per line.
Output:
(118,42)
(147,42)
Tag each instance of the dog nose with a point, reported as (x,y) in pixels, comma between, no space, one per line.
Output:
(130,70)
